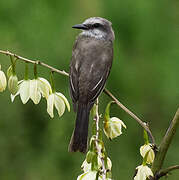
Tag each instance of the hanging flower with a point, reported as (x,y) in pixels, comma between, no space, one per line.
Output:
(90,175)
(24,91)
(113,127)
(87,166)
(147,148)
(35,93)
(13,84)
(44,87)
(38,87)
(58,100)
(143,172)
(3,81)
(32,89)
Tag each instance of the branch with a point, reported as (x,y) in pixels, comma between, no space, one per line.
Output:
(164,172)
(131,114)
(96,119)
(34,62)
(105,90)
(166,141)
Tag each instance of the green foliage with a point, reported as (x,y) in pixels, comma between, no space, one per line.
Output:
(144,76)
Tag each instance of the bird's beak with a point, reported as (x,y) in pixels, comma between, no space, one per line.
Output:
(80,26)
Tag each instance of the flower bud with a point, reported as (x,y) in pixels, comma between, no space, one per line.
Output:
(13,84)
(90,156)
(147,148)
(9,71)
(3,82)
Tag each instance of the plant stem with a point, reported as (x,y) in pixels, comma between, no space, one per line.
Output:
(34,62)
(105,90)
(52,82)
(26,72)
(165,143)
(164,172)
(96,119)
(35,71)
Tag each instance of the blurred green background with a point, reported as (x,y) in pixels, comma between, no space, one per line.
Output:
(144,77)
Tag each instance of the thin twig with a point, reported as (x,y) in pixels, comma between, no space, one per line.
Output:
(105,90)
(96,119)
(164,172)
(131,114)
(165,143)
(34,62)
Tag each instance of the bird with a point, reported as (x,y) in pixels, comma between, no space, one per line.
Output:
(90,65)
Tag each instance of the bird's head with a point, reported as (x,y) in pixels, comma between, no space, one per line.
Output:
(97,27)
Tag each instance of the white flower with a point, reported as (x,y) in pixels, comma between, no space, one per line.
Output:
(58,100)
(113,127)
(147,148)
(32,89)
(143,172)
(90,175)
(3,81)
(13,84)
(87,166)
(35,93)
(38,87)
(44,87)
(24,91)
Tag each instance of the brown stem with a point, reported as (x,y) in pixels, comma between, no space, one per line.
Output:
(164,172)
(105,90)
(166,141)
(34,62)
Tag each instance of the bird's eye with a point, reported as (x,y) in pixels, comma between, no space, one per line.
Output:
(96,25)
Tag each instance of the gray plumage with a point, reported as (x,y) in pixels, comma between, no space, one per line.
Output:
(90,65)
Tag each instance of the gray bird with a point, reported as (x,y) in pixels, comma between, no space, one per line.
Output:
(90,66)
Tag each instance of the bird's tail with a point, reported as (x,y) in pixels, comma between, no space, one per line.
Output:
(80,134)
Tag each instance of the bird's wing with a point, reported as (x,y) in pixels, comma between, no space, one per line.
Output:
(74,92)
(94,70)
(98,79)
(90,66)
